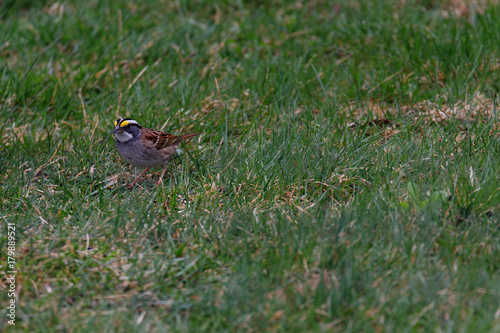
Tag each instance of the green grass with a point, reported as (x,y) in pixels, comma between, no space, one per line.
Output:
(295,211)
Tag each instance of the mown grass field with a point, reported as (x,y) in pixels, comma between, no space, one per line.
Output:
(347,179)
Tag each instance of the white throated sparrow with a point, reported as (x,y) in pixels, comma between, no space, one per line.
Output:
(144,147)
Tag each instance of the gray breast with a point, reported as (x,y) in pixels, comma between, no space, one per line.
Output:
(134,153)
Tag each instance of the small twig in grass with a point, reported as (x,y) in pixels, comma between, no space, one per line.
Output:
(226,226)
(141,317)
(220,145)
(319,79)
(297,33)
(52,100)
(120,21)
(136,78)
(340,61)
(218,90)
(165,124)
(231,161)
(456,187)
(81,101)
(301,209)
(157,62)
(37,171)
(93,131)
(421,314)
(47,223)
(385,80)
(119,103)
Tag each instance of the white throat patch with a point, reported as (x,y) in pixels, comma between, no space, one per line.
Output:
(123,136)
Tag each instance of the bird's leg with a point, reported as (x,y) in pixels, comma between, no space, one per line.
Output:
(162,174)
(135,181)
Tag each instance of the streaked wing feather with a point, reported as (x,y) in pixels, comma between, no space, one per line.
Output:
(166,140)
(162,140)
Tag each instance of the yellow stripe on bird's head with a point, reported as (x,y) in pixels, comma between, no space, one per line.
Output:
(124,122)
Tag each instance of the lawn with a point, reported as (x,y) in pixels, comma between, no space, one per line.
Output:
(347,178)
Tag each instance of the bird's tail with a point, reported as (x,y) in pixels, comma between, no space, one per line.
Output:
(187,137)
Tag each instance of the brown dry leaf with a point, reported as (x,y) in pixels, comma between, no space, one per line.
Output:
(376,122)
(17,132)
(55,9)
(479,106)
(112,180)
(328,277)
(278,315)
(278,294)
(211,104)
(429,111)
(388,132)
(450,295)
(465,8)
(372,313)
(101,72)
(372,108)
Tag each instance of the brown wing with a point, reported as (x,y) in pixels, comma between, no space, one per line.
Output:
(161,140)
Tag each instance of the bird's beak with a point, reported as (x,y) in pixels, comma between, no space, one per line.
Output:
(116,130)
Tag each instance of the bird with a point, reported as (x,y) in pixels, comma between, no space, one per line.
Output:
(144,147)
